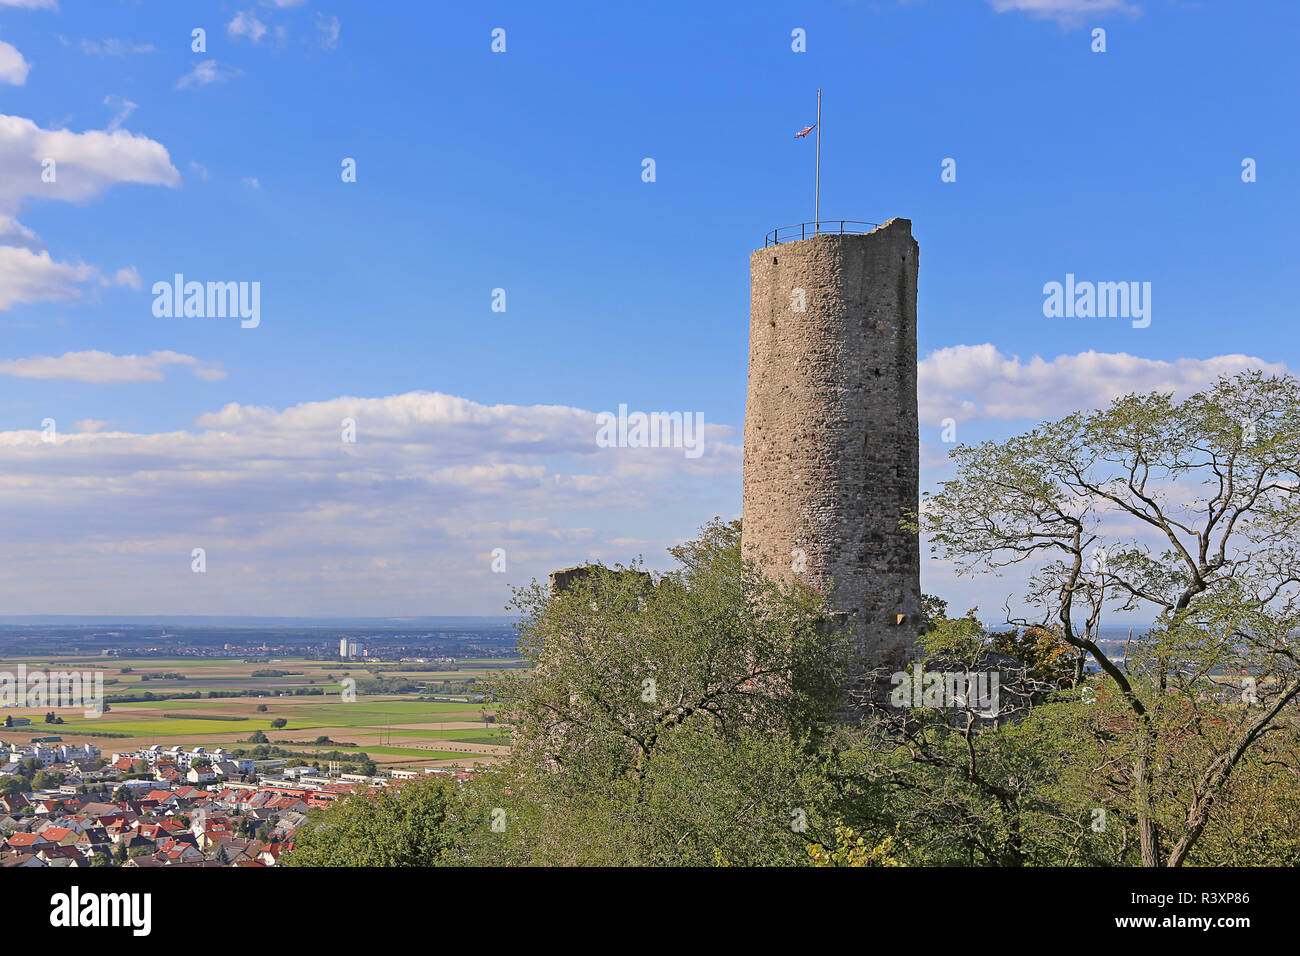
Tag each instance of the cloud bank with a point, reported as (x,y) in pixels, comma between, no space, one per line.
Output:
(973,382)
(295,520)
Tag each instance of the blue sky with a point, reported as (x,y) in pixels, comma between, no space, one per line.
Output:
(522,171)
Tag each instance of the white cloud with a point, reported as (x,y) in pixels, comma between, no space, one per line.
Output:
(112,46)
(14,233)
(1070,13)
(208,72)
(252,182)
(246,25)
(129,278)
(105,368)
(933,455)
(13,68)
(296,521)
(31,4)
(122,109)
(27,275)
(85,163)
(199,170)
(327,29)
(970,382)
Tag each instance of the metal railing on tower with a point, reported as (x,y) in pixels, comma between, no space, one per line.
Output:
(824,227)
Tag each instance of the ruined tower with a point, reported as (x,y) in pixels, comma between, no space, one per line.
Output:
(831,458)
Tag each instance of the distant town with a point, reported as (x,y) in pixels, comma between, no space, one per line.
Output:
(206,744)
(72,806)
(463,637)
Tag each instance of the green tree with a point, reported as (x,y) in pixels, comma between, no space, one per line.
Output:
(1213,481)
(422,823)
(851,849)
(661,723)
(616,662)
(47,780)
(668,723)
(963,781)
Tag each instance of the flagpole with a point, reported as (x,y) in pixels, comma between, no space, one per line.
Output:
(817,194)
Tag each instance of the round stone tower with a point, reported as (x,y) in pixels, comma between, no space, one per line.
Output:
(831,458)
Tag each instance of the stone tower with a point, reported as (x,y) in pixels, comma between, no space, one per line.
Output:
(831,457)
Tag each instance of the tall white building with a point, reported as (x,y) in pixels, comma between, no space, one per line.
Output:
(343,648)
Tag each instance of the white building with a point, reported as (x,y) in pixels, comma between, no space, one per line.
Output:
(181,757)
(200,775)
(43,755)
(47,755)
(71,752)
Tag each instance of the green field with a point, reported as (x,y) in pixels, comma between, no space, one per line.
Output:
(393,730)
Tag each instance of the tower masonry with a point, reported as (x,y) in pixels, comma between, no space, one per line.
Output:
(831,457)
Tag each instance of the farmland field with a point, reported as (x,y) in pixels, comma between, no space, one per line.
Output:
(394,730)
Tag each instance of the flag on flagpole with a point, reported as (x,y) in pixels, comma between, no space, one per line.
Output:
(806,130)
